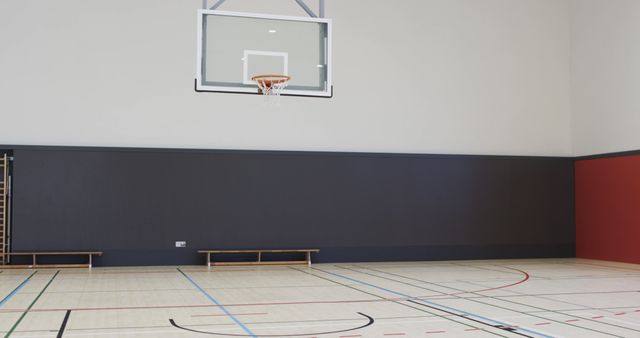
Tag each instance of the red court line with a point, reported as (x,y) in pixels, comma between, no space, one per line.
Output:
(93,273)
(441,331)
(213,305)
(234,314)
(197,271)
(545,323)
(524,279)
(199,305)
(146,272)
(395,334)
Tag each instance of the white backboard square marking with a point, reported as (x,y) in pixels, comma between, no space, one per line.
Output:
(253,57)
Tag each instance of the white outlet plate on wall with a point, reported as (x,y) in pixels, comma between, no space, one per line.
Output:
(181,244)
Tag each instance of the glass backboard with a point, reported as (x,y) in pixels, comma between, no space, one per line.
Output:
(234,47)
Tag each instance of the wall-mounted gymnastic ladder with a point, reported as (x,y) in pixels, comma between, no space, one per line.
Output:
(4,207)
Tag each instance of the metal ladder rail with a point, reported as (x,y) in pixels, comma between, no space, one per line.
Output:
(4,186)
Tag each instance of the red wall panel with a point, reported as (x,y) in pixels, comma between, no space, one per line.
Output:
(608,208)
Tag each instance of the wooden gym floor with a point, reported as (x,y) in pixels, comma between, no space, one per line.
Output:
(498,298)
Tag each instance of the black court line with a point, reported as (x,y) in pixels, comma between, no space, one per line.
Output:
(64,324)
(112,291)
(370,322)
(484,303)
(31,305)
(480,267)
(380,299)
(229,324)
(397,302)
(453,311)
(586,308)
(464,315)
(624,268)
(585,319)
(590,277)
(614,309)
(574,310)
(20,286)
(520,294)
(570,293)
(497,306)
(574,262)
(248,332)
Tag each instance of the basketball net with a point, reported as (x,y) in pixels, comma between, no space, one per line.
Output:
(271,86)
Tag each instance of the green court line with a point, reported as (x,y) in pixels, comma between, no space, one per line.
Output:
(30,306)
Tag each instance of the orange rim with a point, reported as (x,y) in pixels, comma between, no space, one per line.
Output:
(271,78)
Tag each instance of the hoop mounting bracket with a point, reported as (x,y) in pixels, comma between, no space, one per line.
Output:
(301,3)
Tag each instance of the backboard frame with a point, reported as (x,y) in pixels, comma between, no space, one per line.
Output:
(201,87)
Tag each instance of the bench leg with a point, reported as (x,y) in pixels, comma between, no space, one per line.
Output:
(259,257)
(208,259)
(90,262)
(308,258)
(34,260)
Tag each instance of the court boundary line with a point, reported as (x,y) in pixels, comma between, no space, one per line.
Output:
(220,306)
(370,322)
(398,302)
(224,324)
(64,324)
(383,299)
(448,309)
(478,300)
(17,289)
(24,314)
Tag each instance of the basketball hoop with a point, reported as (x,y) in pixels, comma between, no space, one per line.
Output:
(271,85)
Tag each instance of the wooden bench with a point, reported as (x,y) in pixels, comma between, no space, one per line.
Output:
(259,253)
(34,255)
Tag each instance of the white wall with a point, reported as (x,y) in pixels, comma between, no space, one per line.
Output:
(606,76)
(462,76)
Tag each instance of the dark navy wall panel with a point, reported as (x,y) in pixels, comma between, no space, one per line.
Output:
(135,203)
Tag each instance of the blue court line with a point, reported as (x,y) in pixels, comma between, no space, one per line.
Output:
(246,329)
(471,315)
(13,293)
